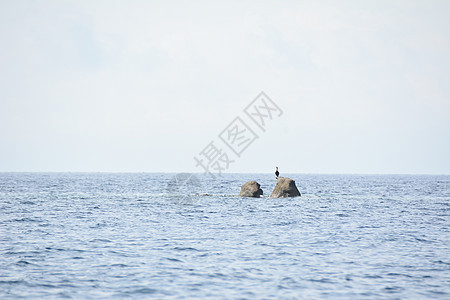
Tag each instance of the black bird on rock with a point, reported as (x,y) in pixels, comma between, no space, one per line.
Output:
(277,173)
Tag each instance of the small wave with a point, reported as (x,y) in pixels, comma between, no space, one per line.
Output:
(343,215)
(288,279)
(438,292)
(278,206)
(98,225)
(26,220)
(368,226)
(100,241)
(57,249)
(78,250)
(23,263)
(186,249)
(14,253)
(321,280)
(422,240)
(12,282)
(122,253)
(393,289)
(63,295)
(22,253)
(144,291)
(372,276)
(284,223)
(399,274)
(442,262)
(173,259)
(45,285)
(28,202)
(217,275)
(120,265)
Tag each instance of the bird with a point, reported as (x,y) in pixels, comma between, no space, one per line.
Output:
(277,173)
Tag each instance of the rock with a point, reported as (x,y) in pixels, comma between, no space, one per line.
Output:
(285,188)
(251,189)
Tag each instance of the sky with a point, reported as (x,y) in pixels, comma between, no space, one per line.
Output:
(145,86)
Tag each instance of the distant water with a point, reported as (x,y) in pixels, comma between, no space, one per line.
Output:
(97,235)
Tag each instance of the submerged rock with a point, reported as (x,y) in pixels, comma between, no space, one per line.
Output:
(251,189)
(285,188)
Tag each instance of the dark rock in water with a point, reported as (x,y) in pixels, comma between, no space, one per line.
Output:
(251,189)
(285,188)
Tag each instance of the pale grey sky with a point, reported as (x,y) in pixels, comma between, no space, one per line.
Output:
(146,85)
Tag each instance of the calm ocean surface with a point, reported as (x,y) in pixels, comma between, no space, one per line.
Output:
(142,235)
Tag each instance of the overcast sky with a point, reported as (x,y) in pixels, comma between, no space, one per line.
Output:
(131,86)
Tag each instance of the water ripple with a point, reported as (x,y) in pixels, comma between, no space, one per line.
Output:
(92,236)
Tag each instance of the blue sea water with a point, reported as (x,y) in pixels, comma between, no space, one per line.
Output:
(147,235)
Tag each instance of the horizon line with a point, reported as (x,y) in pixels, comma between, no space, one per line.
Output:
(225,173)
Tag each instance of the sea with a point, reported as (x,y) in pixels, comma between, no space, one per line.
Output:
(190,236)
